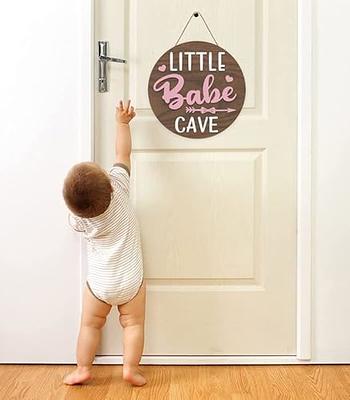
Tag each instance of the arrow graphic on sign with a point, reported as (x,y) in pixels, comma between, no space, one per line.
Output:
(212,110)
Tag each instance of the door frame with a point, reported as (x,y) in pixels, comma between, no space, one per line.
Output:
(304,186)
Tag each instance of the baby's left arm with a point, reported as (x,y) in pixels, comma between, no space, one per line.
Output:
(75,223)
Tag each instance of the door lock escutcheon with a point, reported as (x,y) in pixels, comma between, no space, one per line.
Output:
(103,59)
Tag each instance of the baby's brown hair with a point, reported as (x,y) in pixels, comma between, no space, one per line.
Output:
(87,190)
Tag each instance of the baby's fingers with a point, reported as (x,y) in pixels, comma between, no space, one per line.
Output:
(127,108)
(131,111)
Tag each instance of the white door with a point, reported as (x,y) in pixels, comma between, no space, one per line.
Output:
(218,215)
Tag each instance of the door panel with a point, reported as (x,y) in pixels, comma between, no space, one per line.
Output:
(217,215)
(206,199)
(148,41)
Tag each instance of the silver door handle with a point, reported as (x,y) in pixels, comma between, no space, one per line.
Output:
(113,59)
(103,59)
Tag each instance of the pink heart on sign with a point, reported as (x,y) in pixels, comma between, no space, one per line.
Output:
(162,68)
(229,78)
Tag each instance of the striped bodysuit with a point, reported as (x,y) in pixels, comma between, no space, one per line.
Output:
(115,267)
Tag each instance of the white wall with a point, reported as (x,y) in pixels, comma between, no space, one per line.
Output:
(39,124)
(331,182)
(40,103)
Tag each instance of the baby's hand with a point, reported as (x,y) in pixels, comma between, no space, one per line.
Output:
(124,114)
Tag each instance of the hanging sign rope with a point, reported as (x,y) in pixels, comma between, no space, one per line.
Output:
(196,14)
(196,89)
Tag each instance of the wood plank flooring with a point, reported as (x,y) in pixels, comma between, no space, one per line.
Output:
(44,382)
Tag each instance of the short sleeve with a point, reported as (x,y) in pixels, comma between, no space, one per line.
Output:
(76,223)
(120,175)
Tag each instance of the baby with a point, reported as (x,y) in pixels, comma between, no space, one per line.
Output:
(101,210)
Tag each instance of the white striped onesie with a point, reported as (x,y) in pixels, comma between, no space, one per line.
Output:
(114,246)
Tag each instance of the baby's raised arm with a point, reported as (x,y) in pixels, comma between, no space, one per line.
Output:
(124,114)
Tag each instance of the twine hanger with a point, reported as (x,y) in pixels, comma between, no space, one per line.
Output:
(196,14)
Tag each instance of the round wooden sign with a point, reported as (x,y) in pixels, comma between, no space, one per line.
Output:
(196,89)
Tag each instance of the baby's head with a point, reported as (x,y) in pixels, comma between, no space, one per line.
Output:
(87,190)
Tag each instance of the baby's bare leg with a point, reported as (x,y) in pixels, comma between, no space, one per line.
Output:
(132,317)
(93,318)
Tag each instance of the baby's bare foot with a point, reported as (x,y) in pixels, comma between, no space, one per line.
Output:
(79,376)
(134,376)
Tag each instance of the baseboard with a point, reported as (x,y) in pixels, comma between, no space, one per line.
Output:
(206,360)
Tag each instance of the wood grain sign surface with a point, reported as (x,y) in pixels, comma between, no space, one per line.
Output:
(196,89)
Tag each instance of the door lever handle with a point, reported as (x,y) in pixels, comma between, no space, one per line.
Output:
(103,59)
(113,59)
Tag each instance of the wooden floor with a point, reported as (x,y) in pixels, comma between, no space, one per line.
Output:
(308,382)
